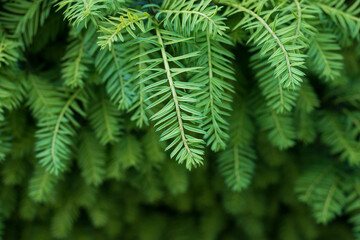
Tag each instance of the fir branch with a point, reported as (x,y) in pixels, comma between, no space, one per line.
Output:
(80,12)
(347,19)
(191,16)
(104,119)
(12,88)
(113,69)
(91,159)
(342,141)
(280,128)
(324,57)
(353,196)
(216,96)
(75,63)
(129,20)
(54,135)
(124,155)
(319,188)
(9,50)
(23,18)
(191,156)
(41,185)
(289,73)
(139,107)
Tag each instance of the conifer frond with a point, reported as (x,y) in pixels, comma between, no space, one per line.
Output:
(305,127)
(125,154)
(9,50)
(114,72)
(178,118)
(307,100)
(353,204)
(324,57)
(63,220)
(75,66)
(91,159)
(304,119)
(320,188)
(54,137)
(80,12)
(277,97)
(280,128)
(346,17)
(279,41)
(130,20)
(42,185)
(12,89)
(236,163)
(191,16)
(138,49)
(342,140)
(215,98)
(347,93)
(104,119)
(353,119)
(23,18)
(41,96)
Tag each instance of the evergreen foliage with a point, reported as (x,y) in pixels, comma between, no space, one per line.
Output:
(106,106)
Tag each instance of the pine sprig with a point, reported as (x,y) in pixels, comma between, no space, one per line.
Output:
(346,17)
(41,95)
(277,97)
(268,39)
(114,72)
(353,194)
(138,49)
(91,159)
(124,155)
(341,140)
(12,89)
(280,128)
(130,20)
(191,16)
(9,50)
(56,131)
(104,119)
(23,18)
(80,12)
(75,63)
(215,98)
(324,56)
(42,185)
(187,148)
(236,163)
(320,188)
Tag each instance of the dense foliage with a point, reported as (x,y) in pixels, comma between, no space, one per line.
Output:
(105,106)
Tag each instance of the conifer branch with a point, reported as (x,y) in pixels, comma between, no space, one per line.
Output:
(54,157)
(173,91)
(272,33)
